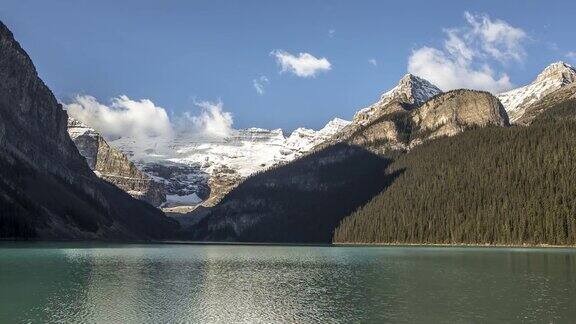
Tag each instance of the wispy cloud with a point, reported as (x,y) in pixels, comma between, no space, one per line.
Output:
(260,83)
(469,54)
(373,62)
(304,65)
(331,33)
(496,37)
(571,55)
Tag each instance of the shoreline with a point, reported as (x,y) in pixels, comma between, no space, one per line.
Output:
(339,244)
(454,245)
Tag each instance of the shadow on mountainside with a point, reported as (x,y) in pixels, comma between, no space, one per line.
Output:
(300,202)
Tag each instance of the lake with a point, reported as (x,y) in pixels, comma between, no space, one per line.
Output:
(159,283)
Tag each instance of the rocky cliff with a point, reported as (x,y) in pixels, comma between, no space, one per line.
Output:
(452,112)
(114,166)
(47,190)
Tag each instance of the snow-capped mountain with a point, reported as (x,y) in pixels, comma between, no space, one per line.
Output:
(410,89)
(304,139)
(195,169)
(552,78)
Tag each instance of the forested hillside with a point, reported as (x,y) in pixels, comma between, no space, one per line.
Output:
(486,186)
(302,201)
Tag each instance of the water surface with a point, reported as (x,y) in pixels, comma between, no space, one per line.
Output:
(43,282)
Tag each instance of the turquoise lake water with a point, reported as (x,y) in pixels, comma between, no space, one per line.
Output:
(166,283)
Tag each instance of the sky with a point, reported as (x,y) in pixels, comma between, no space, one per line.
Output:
(157,66)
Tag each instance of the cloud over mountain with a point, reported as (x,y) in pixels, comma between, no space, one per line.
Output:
(469,54)
(144,120)
(212,121)
(123,117)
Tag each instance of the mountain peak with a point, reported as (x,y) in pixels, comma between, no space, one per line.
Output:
(411,89)
(552,78)
(414,89)
(336,122)
(558,71)
(409,77)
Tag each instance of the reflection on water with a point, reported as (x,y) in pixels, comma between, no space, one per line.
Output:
(215,283)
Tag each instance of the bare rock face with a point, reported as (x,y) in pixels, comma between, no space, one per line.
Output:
(114,166)
(452,112)
(223,180)
(47,190)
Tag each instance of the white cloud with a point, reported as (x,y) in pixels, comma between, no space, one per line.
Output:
(304,65)
(373,62)
(122,118)
(212,121)
(259,84)
(447,73)
(331,33)
(469,53)
(571,55)
(144,121)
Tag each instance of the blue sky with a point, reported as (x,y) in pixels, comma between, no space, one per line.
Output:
(178,53)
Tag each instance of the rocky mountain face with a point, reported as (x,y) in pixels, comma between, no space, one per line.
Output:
(291,196)
(517,102)
(401,126)
(410,92)
(47,190)
(202,170)
(114,166)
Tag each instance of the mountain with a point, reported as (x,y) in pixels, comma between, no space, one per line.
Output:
(494,185)
(518,101)
(411,90)
(198,170)
(47,190)
(113,166)
(304,200)
(401,126)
